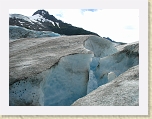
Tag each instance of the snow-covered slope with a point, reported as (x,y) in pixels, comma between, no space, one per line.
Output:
(16,32)
(122,91)
(32,19)
(19,16)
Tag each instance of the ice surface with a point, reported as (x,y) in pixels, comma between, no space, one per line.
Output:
(25,92)
(66,81)
(111,76)
(122,91)
(117,63)
(66,68)
(16,32)
(100,46)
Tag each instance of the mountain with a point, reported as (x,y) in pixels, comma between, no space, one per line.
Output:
(41,20)
(46,15)
(57,71)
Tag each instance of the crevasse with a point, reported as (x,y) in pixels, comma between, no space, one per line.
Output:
(73,77)
(101,48)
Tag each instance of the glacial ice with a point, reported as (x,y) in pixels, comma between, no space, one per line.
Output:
(16,32)
(26,92)
(100,46)
(65,68)
(122,91)
(111,76)
(67,80)
(117,63)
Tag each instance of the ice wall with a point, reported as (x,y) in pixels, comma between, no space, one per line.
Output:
(26,92)
(122,91)
(66,81)
(117,63)
(60,85)
(108,62)
(56,72)
(101,48)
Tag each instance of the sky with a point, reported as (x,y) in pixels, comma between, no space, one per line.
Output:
(121,25)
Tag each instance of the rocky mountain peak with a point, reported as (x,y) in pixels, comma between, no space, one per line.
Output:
(41,12)
(46,15)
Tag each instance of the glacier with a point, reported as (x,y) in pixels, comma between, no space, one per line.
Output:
(122,91)
(67,81)
(57,71)
(117,63)
(17,32)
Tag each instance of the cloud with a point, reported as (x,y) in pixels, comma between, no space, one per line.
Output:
(117,24)
(87,10)
(129,27)
(91,10)
(60,15)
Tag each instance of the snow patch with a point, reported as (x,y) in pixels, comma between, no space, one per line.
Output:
(57,24)
(36,18)
(21,22)
(40,18)
(51,22)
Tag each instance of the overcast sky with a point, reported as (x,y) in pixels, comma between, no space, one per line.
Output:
(120,25)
